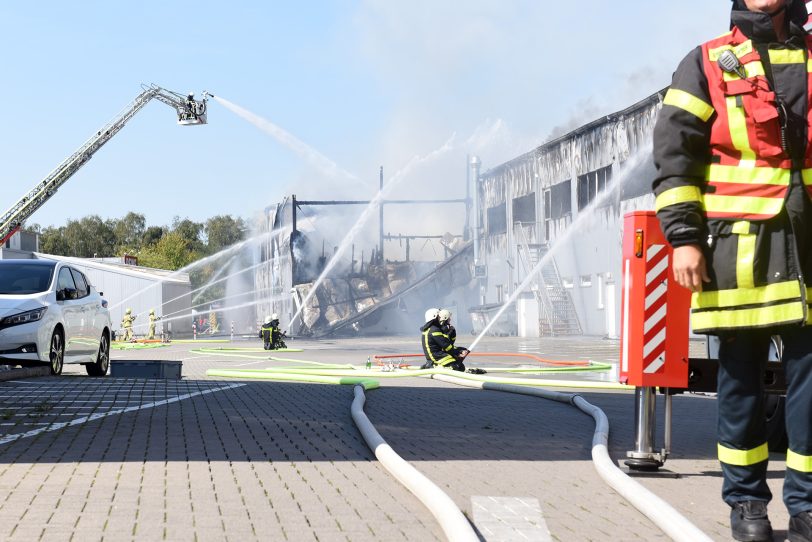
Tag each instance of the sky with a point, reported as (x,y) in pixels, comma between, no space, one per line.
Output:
(363,84)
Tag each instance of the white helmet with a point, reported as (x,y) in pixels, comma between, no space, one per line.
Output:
(431,314)
(268,319)
(274,316)
(444,315)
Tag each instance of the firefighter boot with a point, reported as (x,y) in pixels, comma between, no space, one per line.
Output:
(800,527)
(749,522)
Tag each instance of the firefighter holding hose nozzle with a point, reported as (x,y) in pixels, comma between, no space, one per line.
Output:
(732,153)
(438,346)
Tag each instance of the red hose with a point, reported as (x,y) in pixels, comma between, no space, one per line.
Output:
(567,363)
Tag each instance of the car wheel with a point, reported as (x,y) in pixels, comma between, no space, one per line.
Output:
(102,363)
(56,355)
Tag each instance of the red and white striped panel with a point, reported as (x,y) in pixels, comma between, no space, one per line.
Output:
(655,308)
(808,24)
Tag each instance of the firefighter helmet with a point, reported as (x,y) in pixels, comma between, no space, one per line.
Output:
(268,319)
(431,314)
(444,315)
(274,316)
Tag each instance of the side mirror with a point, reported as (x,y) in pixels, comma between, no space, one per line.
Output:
(60,295)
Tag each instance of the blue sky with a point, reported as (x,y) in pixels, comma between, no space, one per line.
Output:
(366,83)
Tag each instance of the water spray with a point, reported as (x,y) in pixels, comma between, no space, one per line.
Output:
(580,220)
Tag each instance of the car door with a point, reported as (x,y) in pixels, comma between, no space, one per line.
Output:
(89,343)
(71,309)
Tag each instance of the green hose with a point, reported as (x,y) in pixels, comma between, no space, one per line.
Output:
(367,383)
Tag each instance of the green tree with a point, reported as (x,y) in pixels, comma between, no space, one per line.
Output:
(189,231)
(171,252)
(222,231)
(52,241)
(152,235)
(129,231)
(90,237)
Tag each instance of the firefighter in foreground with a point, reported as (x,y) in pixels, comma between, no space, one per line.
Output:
(438,347)
(127,323)
(731,146)
(271,334)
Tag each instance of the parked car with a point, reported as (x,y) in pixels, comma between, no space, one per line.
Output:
(50,313)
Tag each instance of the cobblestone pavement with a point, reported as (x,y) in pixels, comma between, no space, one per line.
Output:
(212,459)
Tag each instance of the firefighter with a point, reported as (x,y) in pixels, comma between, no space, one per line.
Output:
(444,319)
(127,323)
(430,318)
(270,333)
(438,347)
(730,146)
(152,320)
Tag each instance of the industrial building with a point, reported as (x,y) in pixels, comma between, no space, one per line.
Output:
(542,201)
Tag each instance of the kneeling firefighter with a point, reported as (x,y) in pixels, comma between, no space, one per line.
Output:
(438,347)
(270,333)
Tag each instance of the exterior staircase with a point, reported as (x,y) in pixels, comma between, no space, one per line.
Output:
(557,314)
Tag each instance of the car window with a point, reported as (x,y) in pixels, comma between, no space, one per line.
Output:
(24,278)
(65,280)
(81,284)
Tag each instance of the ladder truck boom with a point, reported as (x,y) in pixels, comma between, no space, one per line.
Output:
(190,112)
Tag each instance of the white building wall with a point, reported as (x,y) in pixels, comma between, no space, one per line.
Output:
(590,256)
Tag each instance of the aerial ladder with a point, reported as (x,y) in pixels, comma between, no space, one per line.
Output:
(189,110)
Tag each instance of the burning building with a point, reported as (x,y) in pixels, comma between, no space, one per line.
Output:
(563,202)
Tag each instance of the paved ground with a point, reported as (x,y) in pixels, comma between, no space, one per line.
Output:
(213,459)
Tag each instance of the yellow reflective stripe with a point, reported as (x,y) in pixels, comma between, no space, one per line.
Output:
(746,318)
(809,65)
(751,69)
(718,173)
(745,257)
(743,458)
(739,50)
(742,227)
(688,102)
(787,56)
(446,360)
(738,129)
(680,194)
(743,205)
(770,293)
(426,345)
(796,461)
(806,174)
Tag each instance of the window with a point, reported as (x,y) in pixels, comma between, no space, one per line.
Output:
(560,202)
(591,184)
(548,206)
(566,282)
(497,219)
(65,280)
(524,208)
(81,284)
(586,281)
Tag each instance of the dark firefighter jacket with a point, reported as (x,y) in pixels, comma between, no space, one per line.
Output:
(733,174)
(437,346)
(268,330)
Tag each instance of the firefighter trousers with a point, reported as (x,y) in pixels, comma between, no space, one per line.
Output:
(741,427)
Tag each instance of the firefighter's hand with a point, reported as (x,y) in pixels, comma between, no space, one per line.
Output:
(464,352)
(689,267)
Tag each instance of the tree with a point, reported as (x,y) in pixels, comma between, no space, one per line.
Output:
(52,241)
(90,237)
(170,252)
(129,231)
(152,235)
(189,231)
(222,231)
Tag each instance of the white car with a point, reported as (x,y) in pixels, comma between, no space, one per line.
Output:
(50,313)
